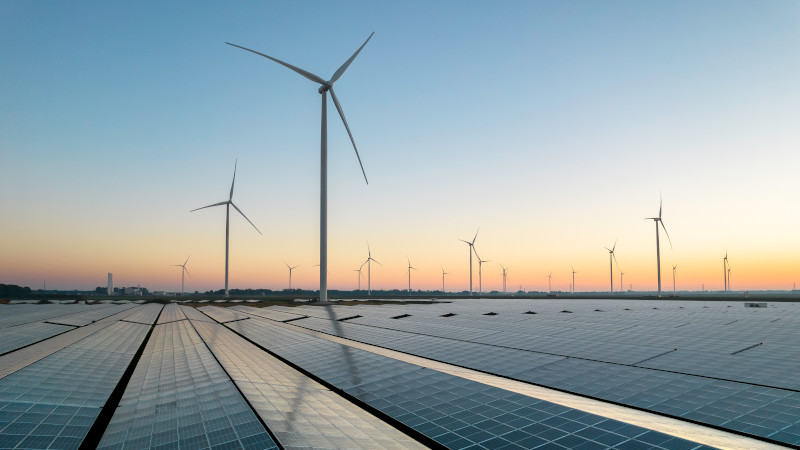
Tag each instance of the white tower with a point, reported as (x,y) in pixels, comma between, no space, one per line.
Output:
(110,290)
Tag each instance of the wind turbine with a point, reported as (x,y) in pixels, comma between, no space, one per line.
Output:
(480,265)
(621,285)
(674,268)
(471,247)
(409,274)
(184,271)
(368,262)
(228,203)
(725,271)
(325,86)
(360,276)
(505,272)
(611,258)
(573,279)
(549,284)
(658,220)
(290,274)
(443,274)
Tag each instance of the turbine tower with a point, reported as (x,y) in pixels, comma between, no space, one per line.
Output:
(360,275)
(471,247)
(725,271)
(611,258)
(505,276)
(325,87)
(621,284)
(658,220)
(573,279)
(549,284)
(290,274)
(480,265)
(674,268)
(368,262)
(443,274)
(409,274)
(184,271)
(228,205)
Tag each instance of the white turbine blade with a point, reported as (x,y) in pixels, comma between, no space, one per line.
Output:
(187,260)
(251,223)
(209,206)
(476,235)
(466,242)
(377,262)
(344,121)
(609,250)
(302,72)
(346,64)
(615,246)
(234,179)
(615,260)
(660,203)
(665,232)
(187,272)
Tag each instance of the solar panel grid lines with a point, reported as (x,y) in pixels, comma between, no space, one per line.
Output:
(194,314)
(300,411)
(266,313)
(17,314)
(20,336)
(179,396)
(223,315)
(26,356)
(172,312)
(145,314)
(83,318)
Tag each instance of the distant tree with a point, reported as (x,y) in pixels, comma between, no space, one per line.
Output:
(12,290)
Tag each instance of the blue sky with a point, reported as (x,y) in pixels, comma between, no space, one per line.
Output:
(553,125)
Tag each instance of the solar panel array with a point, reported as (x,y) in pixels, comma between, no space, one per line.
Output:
(245,377)
(592,350)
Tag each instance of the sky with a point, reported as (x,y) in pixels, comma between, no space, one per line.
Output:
(555,127)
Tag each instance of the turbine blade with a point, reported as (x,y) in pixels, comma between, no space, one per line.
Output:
(187,260)
(665,232)
(660,203)
(302,72)
(187,272)
(251,223)
(344,121)
(615,246)
(466,242)
(209,206)
(346,64)
(234,179)
(377,262)
(476,235)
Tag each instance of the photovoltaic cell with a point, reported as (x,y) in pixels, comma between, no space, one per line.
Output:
(29,333)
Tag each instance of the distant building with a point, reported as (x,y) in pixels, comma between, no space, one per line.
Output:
(110,290)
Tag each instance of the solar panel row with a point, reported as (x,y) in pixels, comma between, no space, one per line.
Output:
(26,334)
(453,411)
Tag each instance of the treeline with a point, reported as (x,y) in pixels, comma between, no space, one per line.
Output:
(12,290)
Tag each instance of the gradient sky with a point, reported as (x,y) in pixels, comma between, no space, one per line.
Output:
(552,125)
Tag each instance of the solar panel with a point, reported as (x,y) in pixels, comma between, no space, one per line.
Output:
(29,333)
(171,313)
(179,397)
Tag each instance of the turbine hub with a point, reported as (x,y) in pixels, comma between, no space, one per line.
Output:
(323,88)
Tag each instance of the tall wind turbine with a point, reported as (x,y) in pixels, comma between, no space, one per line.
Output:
(621,284)
(228,203)
(368,262)
(325,86)
(409,274)
(611,258)
(573,279)
(471,247)
(443,274)
(549,284)
(505,272)
(658,220)
(674,269)
(184,271)
(290,274)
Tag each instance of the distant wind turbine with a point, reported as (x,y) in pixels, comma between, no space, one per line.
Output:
(184,271)
(360,275)
(674,269)
(658,220)
(505,273)
(290,274)
(409,274)
(480,265)
(368,262)
(621,284)
(443,274)
(325,86)
(725,272)
(611,258)
(228,203)
(549,282)
(573,279)
(471,247)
